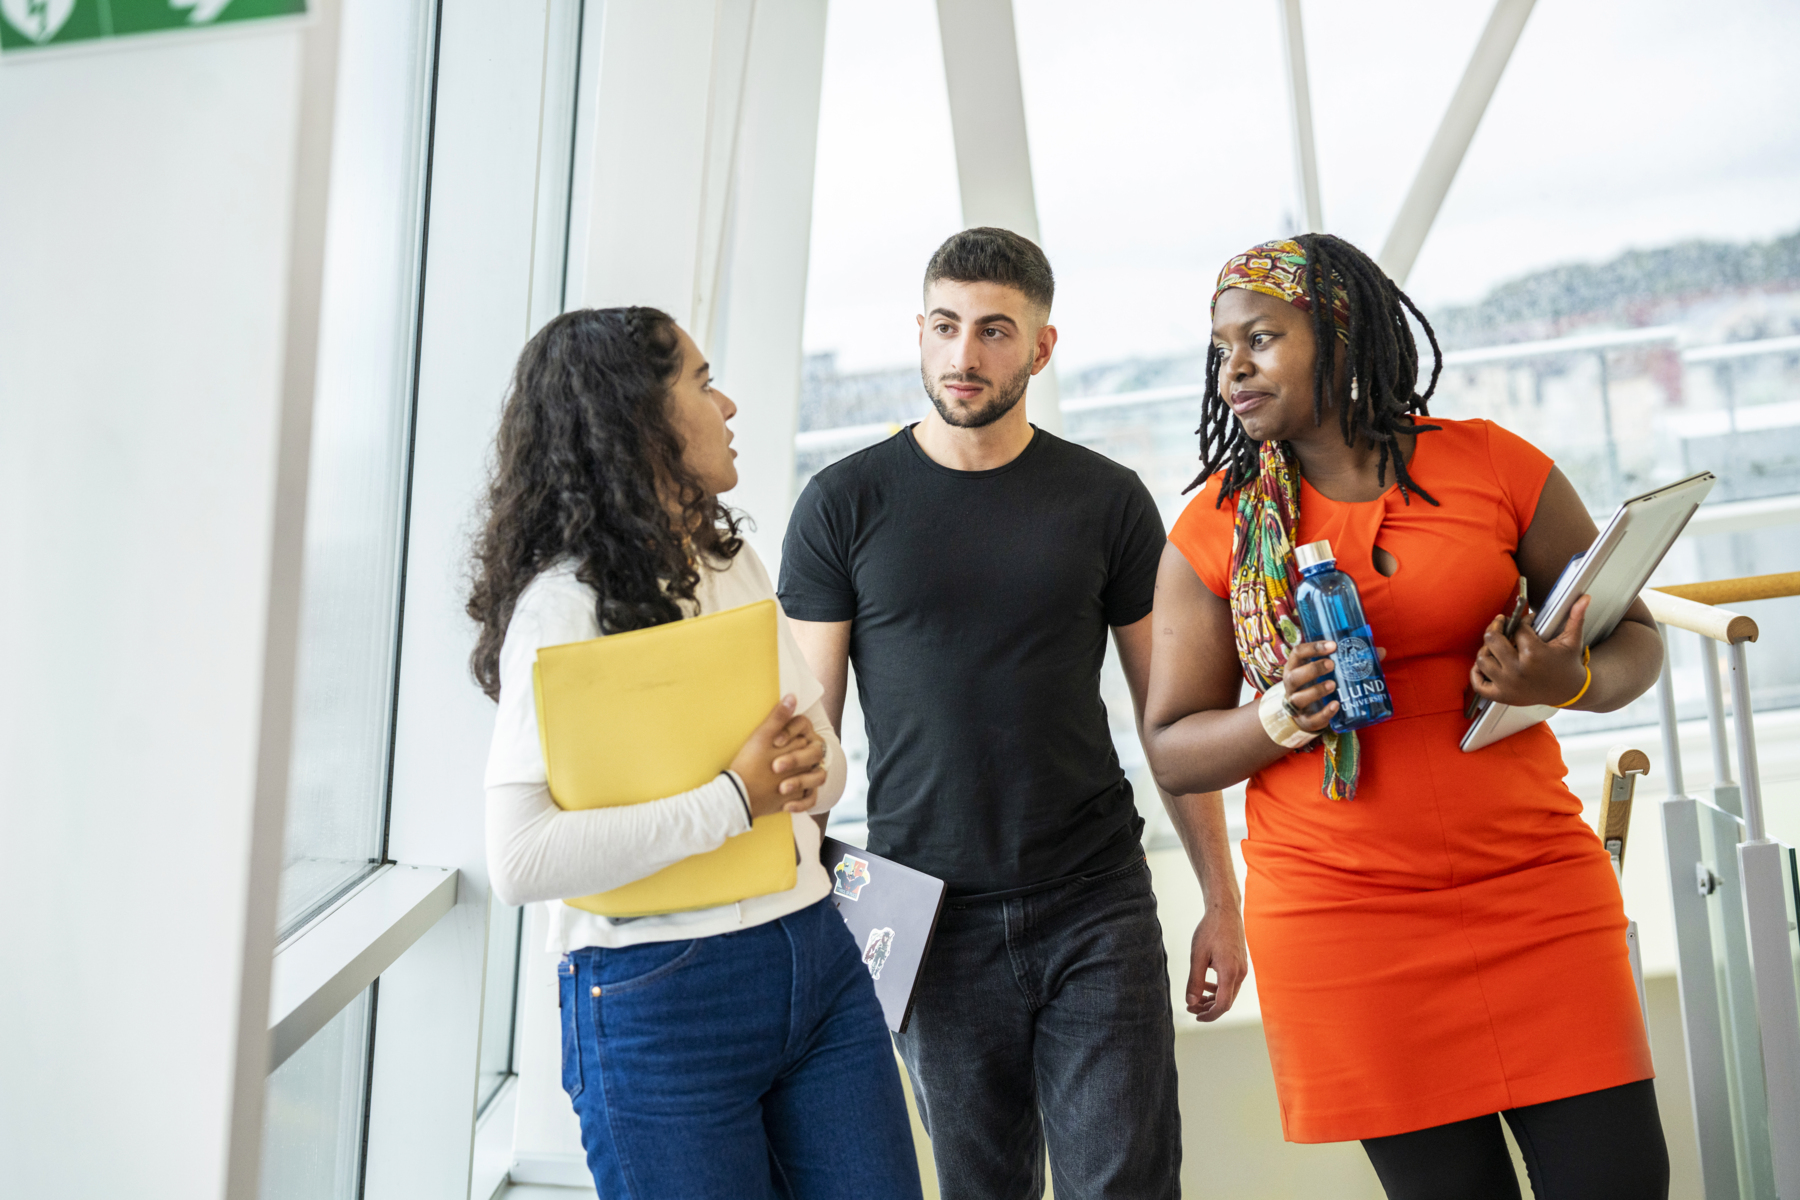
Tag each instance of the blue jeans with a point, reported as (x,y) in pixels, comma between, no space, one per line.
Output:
(748,1065)
(1048,1013)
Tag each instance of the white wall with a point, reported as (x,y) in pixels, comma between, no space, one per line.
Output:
(693,194)
(144,205)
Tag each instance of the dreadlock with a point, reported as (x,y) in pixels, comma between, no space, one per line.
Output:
(1381,395)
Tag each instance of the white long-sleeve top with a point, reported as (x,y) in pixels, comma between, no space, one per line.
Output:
(536,851)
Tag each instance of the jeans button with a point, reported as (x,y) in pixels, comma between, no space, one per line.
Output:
(596,990)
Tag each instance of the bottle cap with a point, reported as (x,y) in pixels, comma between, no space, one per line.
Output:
(1313,554)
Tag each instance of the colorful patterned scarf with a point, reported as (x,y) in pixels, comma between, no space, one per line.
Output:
(1264,576)
(1278,269)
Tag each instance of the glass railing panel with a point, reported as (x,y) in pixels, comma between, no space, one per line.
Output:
(1719,836)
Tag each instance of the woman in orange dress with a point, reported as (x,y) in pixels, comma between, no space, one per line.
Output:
(1437,937)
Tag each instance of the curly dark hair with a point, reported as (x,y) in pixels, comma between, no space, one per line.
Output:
(1383,363)
(587,466)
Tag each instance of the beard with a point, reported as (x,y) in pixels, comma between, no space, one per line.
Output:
(964,417)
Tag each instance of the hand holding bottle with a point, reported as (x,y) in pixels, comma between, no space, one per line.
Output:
(1307,675)
(1310,681)
(1331,611)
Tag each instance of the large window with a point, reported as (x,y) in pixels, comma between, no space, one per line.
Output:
(315,1110)
(1638,215)
(357,491)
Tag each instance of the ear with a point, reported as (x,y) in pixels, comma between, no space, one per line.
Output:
(1046,343)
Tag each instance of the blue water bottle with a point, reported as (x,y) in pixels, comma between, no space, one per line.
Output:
(1330,610)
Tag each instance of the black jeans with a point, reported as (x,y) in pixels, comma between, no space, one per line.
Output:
(1048,1014)
(1604,1145)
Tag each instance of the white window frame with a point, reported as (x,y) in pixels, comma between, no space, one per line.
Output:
(496,212)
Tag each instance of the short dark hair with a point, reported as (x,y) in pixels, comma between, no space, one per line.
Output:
(989,255)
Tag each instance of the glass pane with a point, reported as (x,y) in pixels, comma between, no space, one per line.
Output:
(499,1003)
(1132,118)
(1668,210)
(355,503)
(885,161)
(313,1112)
(884,188)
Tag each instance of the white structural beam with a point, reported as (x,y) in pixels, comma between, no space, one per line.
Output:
(281,631)
(756,323)
(705,211)
(1306,160)
(993,153)
(1455,132)
(660,127)
(987,114)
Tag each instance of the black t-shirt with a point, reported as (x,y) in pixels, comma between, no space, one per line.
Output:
(980,602)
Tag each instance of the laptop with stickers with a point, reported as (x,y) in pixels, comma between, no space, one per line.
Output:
(892,912)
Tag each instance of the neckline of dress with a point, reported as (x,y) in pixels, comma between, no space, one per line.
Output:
(1391,488)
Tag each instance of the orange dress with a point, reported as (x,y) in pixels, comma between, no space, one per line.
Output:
(1451,942)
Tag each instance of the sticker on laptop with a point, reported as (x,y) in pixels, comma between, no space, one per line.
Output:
(852,876)
(875,953)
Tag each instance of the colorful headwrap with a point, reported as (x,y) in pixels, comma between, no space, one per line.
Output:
(1278,269)
(1264,577)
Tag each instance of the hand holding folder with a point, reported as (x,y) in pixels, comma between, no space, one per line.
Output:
(638,716)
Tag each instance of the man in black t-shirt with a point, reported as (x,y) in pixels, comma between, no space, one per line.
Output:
(971,567)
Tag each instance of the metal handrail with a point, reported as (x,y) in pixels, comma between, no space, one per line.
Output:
(1730,350)
(846,435)
(1612,339)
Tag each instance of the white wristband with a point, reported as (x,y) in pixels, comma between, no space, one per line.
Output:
(1278,719)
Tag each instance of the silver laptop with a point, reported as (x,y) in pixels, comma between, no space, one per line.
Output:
(1613,571)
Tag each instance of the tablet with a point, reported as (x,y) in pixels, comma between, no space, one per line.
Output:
(1613,571)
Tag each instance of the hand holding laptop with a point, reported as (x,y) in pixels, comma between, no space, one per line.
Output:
(1602,583)
(1525,669)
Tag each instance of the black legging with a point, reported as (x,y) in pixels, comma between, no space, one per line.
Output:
(1605,1145)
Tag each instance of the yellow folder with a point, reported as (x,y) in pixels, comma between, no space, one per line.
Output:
(641,715)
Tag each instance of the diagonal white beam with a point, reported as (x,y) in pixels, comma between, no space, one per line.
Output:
(987,114)
(1306,161)
(1454,134)
(993,155)
(281,629)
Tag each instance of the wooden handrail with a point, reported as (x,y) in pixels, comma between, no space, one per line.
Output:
(1736,591)
(1719,624)
(1614,826)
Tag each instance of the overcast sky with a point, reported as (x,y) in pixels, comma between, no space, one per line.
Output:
(1161,145)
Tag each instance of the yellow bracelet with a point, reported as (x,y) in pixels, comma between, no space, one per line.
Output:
(1585,684)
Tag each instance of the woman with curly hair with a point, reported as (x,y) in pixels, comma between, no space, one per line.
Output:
(733,1052)
(1438,938)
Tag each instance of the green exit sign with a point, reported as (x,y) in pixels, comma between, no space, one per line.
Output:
(27,25)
